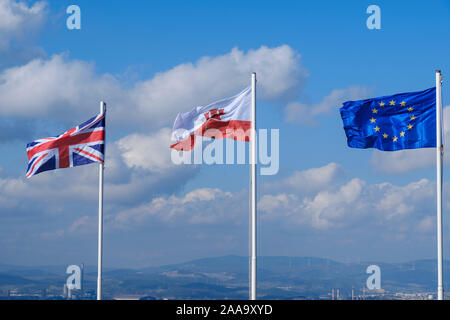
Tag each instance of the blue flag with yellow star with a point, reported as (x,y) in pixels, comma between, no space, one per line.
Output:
(390,123)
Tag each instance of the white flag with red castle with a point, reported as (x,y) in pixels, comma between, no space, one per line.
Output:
(227,118)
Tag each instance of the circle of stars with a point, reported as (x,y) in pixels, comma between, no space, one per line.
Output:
(392,104)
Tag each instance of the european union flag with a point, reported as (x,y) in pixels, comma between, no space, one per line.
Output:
(390,123)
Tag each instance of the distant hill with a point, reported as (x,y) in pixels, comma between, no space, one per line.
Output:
(7,279)
(226,277)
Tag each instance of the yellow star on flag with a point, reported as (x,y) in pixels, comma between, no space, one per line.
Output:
(385,135)
(377,129)
(373,120)
(392,102)
(412,117)
(410,126)
(381,104)
(394,139)
(402,134)
(374,110)
(403,103)
(410,109)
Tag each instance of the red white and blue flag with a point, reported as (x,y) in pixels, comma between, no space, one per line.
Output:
(231,117)
(81,145)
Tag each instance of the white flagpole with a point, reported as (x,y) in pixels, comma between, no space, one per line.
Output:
(253,193)
(100,220)
(439,154)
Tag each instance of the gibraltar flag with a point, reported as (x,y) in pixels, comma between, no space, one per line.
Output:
(227,118)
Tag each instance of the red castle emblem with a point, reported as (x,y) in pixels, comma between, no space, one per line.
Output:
(214,114)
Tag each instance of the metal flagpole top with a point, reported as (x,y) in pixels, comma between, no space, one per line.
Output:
(440,74)
(102,106)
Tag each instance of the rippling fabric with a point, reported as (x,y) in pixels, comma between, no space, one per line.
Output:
(390,123)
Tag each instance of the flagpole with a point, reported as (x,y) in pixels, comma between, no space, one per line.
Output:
(100,220)
(253,193)
(439,154)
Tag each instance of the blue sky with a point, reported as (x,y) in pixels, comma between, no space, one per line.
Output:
(152,59)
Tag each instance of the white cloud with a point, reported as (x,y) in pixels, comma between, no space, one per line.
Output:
(127,180)
(187,85)
(341,209)
(327,208)
(403,160)
(18,20)
(44,187)
(407,160)
(52,88)
(351,204)
(56,86)
(301,113)
(427,224)
(310,180)
(200,206)
(146,152)
(131,181)
(401,201)
(139,164)
(275,203)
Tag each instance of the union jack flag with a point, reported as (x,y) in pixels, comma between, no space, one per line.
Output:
(83,144)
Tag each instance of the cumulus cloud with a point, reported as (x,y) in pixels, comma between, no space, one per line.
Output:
(342,205)
(139,166)
(140,180)
(400,202)
(124,183)
(426,225)
(352,203)
(310,180)
(336,205)
(148,152)
(52,88)
(407,160)
(301,113)
(327,208)
(200,206)
(45,187)
(324,210)
(403,160)
(19,25)
(278,69)
(55,86)
(18,20)
(271,202)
